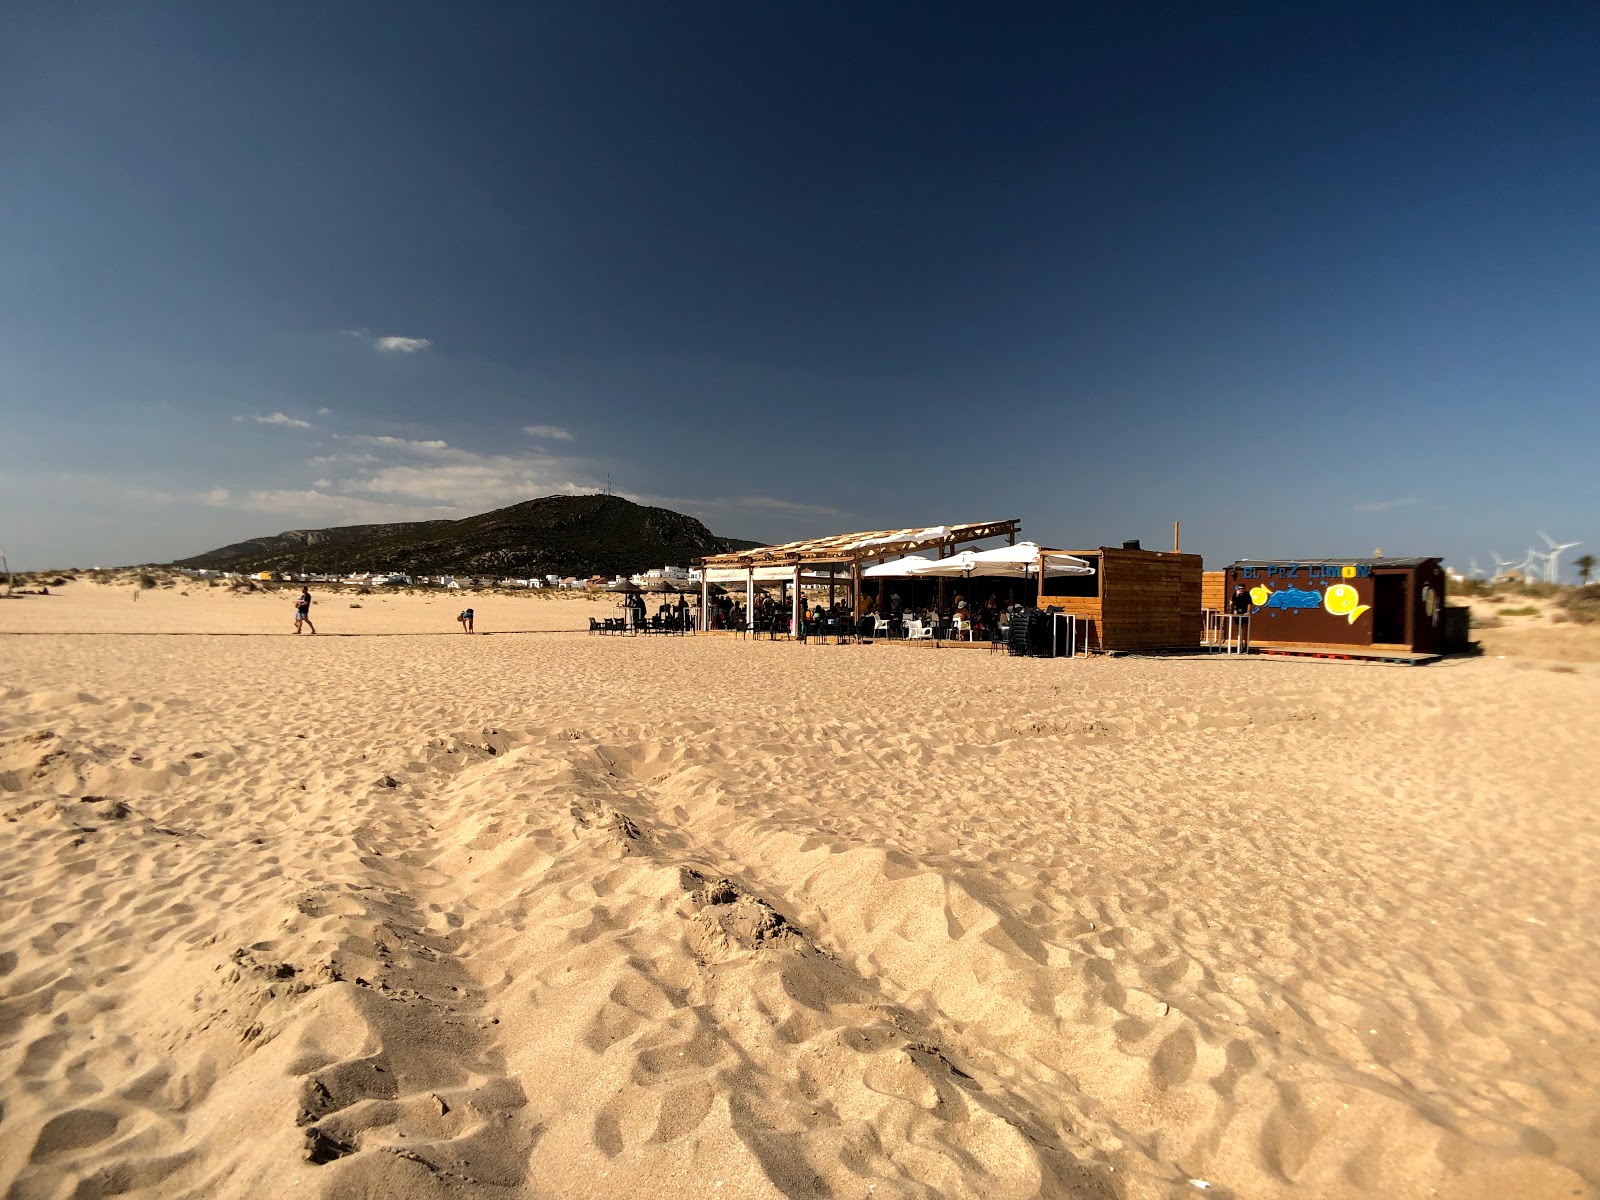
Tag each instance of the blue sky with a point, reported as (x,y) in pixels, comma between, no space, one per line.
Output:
(1312,279)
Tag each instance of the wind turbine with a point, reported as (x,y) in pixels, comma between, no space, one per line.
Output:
(1501,565)
(1530,564)
(1474,571)
(1552,560)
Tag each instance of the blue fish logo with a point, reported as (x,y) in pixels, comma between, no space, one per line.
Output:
(1294,599)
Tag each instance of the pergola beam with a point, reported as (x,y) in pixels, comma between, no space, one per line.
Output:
(847,550)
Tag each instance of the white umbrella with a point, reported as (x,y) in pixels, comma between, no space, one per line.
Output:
(1030,557)
(1065,564)
(898,568)
(969,562)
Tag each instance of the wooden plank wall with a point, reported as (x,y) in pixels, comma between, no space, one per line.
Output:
(1149,600)
(1086,609)
(1214,590)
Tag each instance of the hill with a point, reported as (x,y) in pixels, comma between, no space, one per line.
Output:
(565,535)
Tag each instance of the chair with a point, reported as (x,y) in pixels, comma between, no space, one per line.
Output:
(880,627)
(916,631)
(595,626)
(961,629)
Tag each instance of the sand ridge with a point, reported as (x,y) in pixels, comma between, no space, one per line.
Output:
(561,915)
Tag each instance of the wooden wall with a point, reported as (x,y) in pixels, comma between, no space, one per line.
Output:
(1148,601)
(1214,590)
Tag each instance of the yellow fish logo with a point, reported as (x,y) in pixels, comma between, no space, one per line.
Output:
(1342,601)
(1258,595)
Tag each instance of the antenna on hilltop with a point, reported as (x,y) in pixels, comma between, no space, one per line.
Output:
(1552,560)
(608,483)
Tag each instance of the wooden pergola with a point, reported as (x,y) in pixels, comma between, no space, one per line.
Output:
(844,554)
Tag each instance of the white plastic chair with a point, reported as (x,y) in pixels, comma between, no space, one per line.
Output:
(963,628)
(880,627)
(917,631)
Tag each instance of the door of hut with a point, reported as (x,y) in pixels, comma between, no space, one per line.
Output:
(1391,599)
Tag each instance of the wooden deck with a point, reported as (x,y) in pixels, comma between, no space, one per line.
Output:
(1402,655)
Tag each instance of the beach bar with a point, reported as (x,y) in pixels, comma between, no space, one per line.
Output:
(1360,607)
(837,561)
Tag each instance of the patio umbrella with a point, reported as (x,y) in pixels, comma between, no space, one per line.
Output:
(1030,557)
(898,568)
(626,587)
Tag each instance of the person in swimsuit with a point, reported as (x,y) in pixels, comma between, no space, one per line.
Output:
(302,611)
(466,620)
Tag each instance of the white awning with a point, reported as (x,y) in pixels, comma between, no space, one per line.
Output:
(1030,556)
(898,568)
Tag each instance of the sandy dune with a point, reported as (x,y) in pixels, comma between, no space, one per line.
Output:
(552,915)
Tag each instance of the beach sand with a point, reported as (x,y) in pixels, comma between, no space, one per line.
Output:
(541,914)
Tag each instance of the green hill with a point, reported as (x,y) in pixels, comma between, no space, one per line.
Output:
(564,535)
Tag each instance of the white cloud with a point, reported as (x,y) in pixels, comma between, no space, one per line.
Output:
(277,418)
(552,433)
(322,412)
(401,345)
(435,473)
(1373,506)
(324,508)
(407,444)
(727,506)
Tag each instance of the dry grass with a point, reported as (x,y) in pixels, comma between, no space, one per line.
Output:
(1582,605)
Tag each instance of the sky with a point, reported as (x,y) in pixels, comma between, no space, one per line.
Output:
(1311,279)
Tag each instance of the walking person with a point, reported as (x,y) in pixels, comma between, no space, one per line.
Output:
(302,611)
(466,620)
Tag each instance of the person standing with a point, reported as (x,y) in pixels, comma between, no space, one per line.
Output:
(302,611)
(1239,607)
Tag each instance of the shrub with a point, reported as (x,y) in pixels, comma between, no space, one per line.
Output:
(1582,605)
(1527,610)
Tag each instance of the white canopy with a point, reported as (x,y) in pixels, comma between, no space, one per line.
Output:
(1003,562)
(898,568)
(969,562)
(1030,556)
(932,533)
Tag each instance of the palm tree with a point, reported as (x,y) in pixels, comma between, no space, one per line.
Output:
(1586,563)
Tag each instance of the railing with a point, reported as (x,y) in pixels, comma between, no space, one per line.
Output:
(1224,632)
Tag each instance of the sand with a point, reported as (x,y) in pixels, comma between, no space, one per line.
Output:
(544,914)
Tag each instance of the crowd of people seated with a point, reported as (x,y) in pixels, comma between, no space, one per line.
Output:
(953,620)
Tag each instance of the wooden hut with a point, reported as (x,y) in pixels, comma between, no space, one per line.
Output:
(1135,600)
(1361,607)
